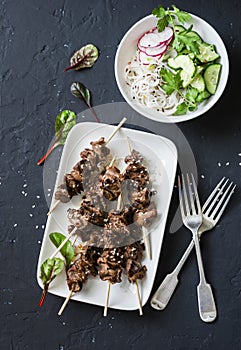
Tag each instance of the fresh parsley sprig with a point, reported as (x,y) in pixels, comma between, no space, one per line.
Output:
(167,16)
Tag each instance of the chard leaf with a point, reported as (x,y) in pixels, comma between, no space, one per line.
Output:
(80,91)
(67,251)
(84,57)
(65,120)
(50,269)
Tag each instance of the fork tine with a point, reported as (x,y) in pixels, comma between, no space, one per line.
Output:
(191,195)
(219,203)
(185,195)
(212,194)
(219,193)
(224,205)
(180,198)
(196,195)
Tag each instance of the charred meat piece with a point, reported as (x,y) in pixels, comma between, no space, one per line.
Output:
(134,252)
(100,148)
(140,199)
(92,213)
(134,157)
(110,183)
(70,187)
(95,197)
(145,217)
(84,266)
(110,265)
(137,173)
(135,270)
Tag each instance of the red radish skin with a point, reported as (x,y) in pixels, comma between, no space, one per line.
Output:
(152,39)
(154,52)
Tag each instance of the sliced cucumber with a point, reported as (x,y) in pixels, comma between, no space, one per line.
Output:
(195,35)
(198,83)
(207,52)
(211,77)
(187,68)
(202,96)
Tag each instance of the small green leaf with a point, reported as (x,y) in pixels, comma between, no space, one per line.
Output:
(162,23)
(50,269)
(182,108)
(159,11)
(182,16)
(202,96)
(80,91)
(191,94)
(172,82)
(64,122)
(84,57)
(67,251)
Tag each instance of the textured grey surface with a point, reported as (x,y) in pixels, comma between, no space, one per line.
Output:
(36,41)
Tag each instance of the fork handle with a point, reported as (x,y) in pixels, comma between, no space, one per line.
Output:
(206,303)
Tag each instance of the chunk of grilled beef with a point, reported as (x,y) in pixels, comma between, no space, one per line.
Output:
(135,270)
(110,183)
(146,216)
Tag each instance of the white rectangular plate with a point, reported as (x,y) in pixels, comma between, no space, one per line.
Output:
(160,156)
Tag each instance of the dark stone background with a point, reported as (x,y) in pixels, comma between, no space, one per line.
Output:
(36,40)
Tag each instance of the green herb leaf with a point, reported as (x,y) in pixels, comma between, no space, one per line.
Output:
(172,82)
(84,57)
(182,16)
(162,23)
(49,270)
(64,122)
(191,94)
(67,251)
(182,108)
(159,11)
(182,40)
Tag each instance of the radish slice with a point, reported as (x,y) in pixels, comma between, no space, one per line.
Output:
(156,51)
(151,39)
(146,60)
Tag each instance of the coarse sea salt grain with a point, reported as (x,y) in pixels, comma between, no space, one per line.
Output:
(43,226)
(38,197)
(227,163)
(202,176)
(219,164)
(15,225)
(33,206)
(31,215)
(239,154)
(239,164)
(37,226)
(25,185)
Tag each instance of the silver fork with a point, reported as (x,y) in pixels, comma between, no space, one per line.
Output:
(192,219)
(212,210)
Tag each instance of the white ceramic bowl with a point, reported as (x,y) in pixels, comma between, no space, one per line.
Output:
(128,47)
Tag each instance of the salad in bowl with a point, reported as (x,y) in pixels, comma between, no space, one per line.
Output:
(176,69)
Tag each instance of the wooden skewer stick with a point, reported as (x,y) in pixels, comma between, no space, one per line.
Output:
(110,137)
(54,207)
(107,299)
(146,237)
(63,243)
(139,298)
(65,303)
(115,130)
(119,201)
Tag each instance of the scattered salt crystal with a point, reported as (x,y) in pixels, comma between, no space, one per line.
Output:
(93,340)
(48,194)
(36,227)
(239,154)
(63,323)
(219,164)
(31,215)
(33,206)
(202,176)
(39,242)
(227,163)
(43,226)
(15,225)
(25,185)
(239,164)
(23,192)
(49,189)
(38,197)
